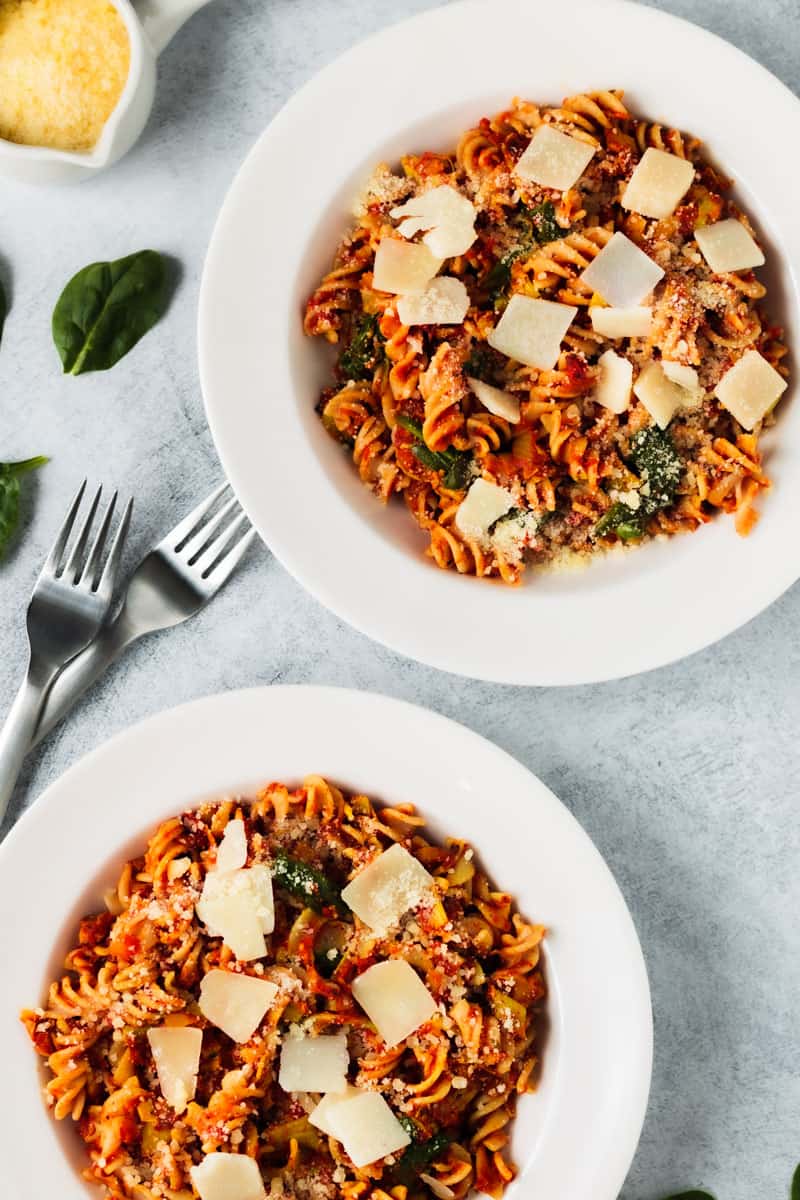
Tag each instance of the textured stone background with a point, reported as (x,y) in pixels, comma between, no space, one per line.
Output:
(686,778)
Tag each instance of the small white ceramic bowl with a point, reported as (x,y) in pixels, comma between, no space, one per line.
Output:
(151,26)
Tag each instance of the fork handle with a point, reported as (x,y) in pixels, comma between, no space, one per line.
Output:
(19,727)
(84,670)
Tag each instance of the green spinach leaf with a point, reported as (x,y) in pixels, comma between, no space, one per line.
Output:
(691,1195)
(657,462)
(305,882)
(106,308)
(543,224)
(326,961)
(454,464)
(420,1154)
(10,475)
(534,226)
(358,359)
(795,1192)
(499,276)
(480,363)
(410,1126)
(626,522)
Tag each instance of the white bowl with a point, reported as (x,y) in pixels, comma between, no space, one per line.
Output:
(575,1137)
(150,31)
(416,86)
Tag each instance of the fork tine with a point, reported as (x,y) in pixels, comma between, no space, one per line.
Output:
(208,532)
(177,536)
(91,572)
(75,562)
(208,558)
(54,558)
(222,570)
(108,580)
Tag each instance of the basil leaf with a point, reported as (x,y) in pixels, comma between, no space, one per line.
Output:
(106,308)
(3,307)
(10,474)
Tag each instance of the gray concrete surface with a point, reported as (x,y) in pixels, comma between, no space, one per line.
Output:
(687,779)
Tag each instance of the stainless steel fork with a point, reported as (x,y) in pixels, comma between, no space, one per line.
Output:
(72,598)
(171,584)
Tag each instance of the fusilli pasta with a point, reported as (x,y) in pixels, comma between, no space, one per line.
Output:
(454,1083)
(404,401)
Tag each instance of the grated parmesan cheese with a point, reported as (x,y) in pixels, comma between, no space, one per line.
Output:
(63,68)
(511,537)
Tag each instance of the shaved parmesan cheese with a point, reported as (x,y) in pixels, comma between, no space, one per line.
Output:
(384,891)
(394,998)
(662,396)
(685,377)
(727,246)
(320,1118)
(232,850)
(177,868)
(238,907)
(444,302)
(622,273)
(314,1064)
(621,322)
(228,1177)
(554,160)
(750,389)
(658,184)
(367,1128)
(531,331)
(403,268)
(484,504)
(176,1053)
(614,382)
(448,217)
(236,1004)
(440,1190)
(501,403)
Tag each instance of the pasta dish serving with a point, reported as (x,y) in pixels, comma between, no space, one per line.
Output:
(550,339)
(297,996)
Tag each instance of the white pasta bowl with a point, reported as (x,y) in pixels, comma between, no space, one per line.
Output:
(575,1137)
(414,87)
